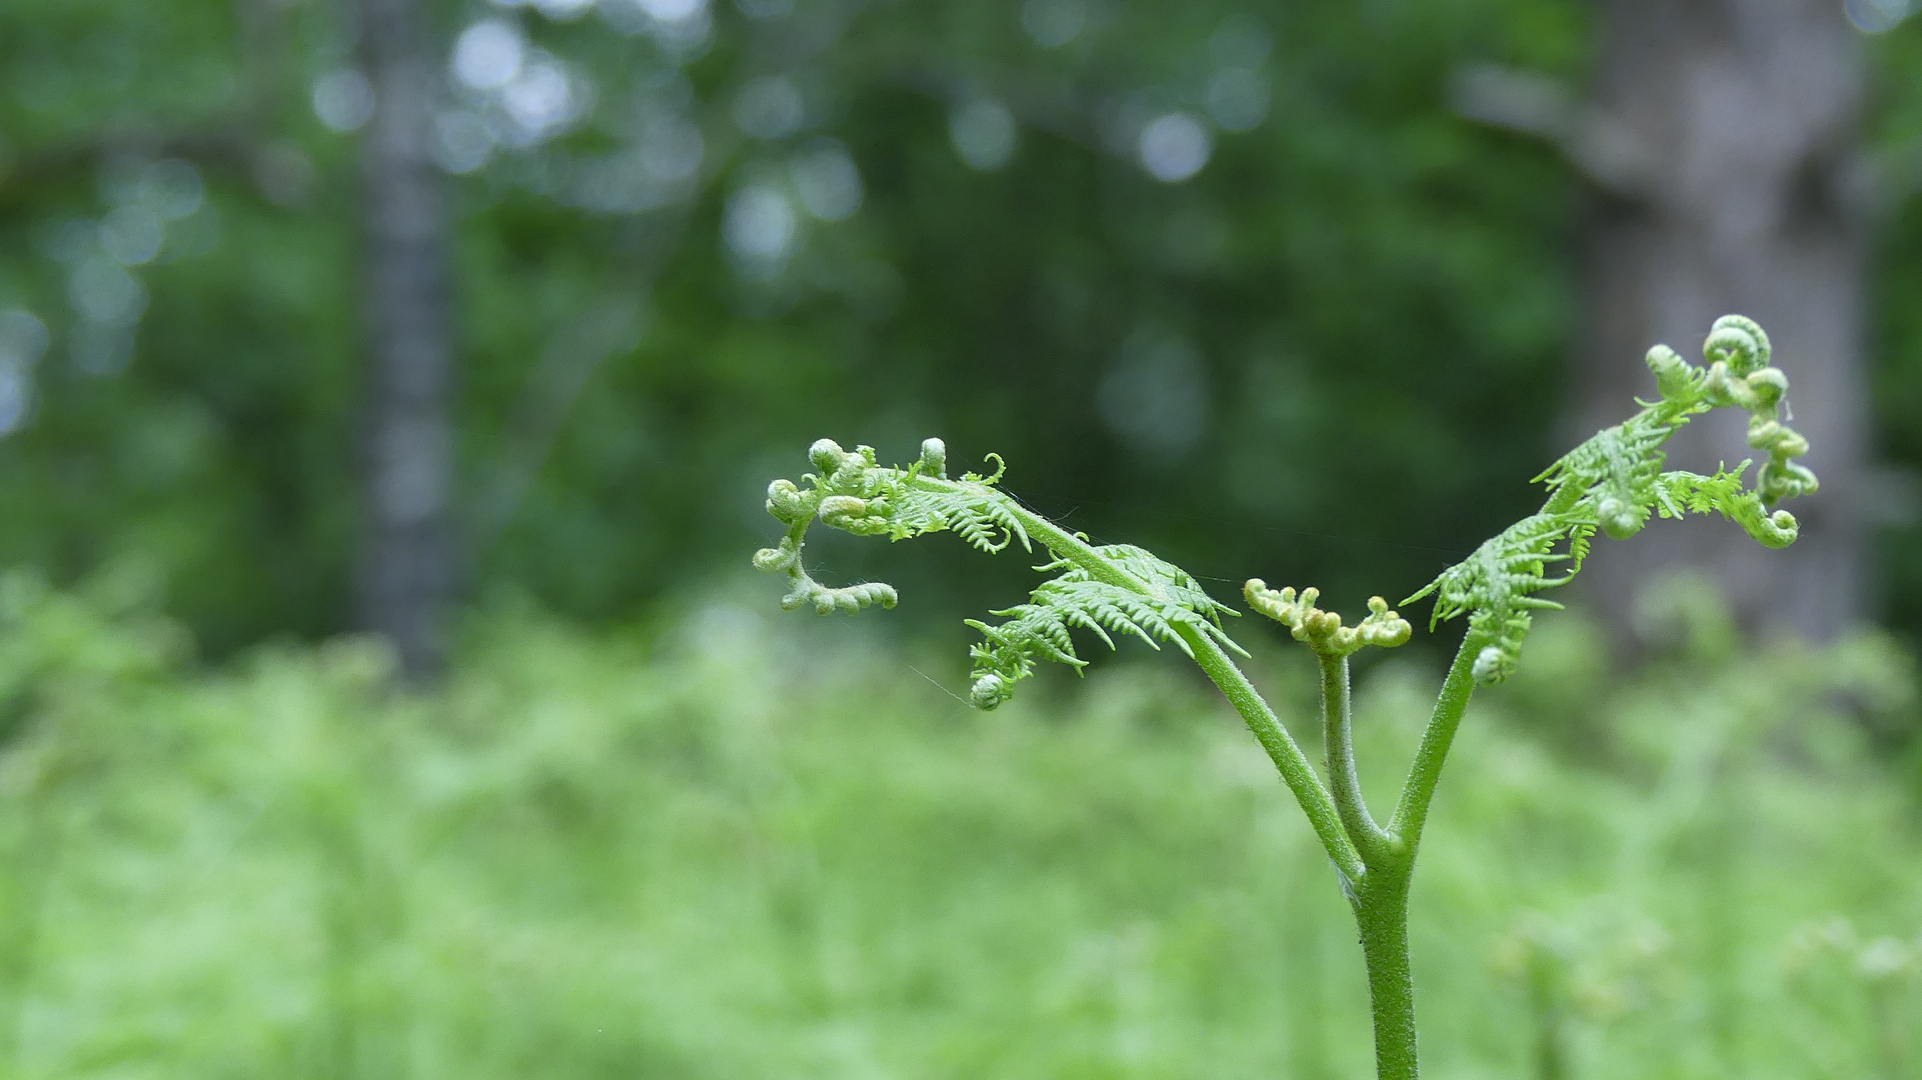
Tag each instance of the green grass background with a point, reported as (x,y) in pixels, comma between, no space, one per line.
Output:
(747,845)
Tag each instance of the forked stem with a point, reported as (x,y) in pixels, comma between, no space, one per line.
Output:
(1343,778)
(1282,750)
(1377,864)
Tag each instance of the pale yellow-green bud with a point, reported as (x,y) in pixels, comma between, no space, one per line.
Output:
(1319,623)
(934,458)
(1383,627)
(841,511)
(786,502)
(1279,606)
(1672,373)
(989,691)
(1488,665)
(827,456)
(1739,342)
(1618,518)
(774,559)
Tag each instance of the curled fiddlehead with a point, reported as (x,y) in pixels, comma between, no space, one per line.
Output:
(1322,630)
(1615,482)
(1106,590)
(854,494)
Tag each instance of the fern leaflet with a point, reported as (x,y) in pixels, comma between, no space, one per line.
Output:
(1109,591)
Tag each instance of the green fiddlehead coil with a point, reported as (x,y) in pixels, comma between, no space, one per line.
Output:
(1322,630)
(1614,482)
(1107,590)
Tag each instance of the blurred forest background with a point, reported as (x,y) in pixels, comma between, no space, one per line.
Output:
(483,324)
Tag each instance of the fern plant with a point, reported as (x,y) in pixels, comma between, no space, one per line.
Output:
(1612,484)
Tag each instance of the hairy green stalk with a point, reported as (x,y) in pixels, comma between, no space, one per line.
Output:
(1613,483)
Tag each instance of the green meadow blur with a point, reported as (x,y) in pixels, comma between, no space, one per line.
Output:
(737,846)
(652,826)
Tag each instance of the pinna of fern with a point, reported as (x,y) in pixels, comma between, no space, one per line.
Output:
(1614,482)
(1107,590)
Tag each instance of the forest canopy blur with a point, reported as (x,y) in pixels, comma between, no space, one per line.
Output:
(1107,237)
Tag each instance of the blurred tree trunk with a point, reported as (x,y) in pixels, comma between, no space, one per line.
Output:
(406,572)
(1723,136)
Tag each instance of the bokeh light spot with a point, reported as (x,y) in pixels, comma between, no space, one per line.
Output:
(1238,99)
(488,54)
(462,142)
(1174,147)
(343,100)
(759,225)
(673,11)
(983,133)
(827,180)
(170,188)
(131,234)
(541,99)
(103,292)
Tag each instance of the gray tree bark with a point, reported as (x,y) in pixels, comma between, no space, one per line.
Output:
(1722,135)
(407,559)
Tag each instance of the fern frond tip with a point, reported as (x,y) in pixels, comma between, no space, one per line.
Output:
(1614,482)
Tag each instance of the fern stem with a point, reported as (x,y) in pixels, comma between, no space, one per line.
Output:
(1338,739)
(1381,914)
(1411,814)
(1282,750)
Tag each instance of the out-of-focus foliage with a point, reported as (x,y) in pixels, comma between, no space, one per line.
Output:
(1110,237)
(733,852)
(1097,235)
(1896,329)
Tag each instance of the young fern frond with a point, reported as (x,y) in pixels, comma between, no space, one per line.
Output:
(1107,590)
(1614,482)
